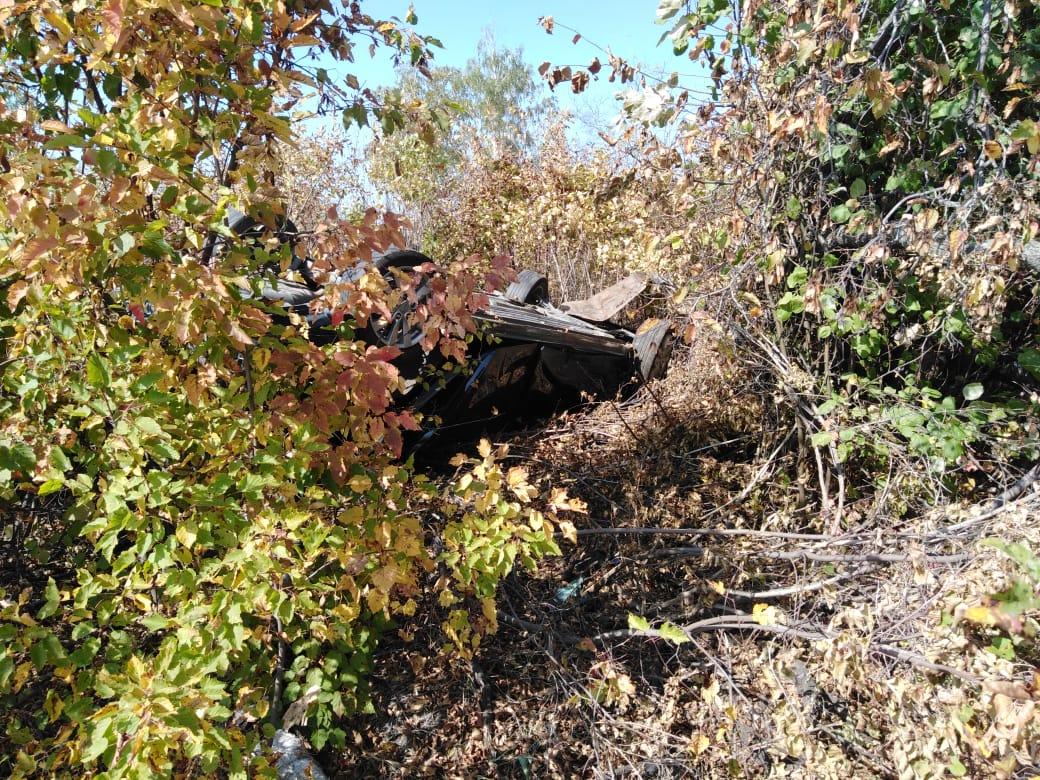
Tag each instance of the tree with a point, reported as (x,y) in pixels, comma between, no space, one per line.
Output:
(492,106)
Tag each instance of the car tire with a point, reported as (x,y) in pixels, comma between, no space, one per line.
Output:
(652,351)
(529,287)
(401,258)
(387,334)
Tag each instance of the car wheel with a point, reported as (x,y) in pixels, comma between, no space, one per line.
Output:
(652,350)
(401,258)
(397,331)
(529,287)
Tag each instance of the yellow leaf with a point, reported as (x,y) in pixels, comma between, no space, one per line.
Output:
(981,615)
(54,126)
(764,614)
(377,600)
(699,744)
(890,147)
(570,533)
(446,598)
(516,477)
(560,501)
(710,692)
(994,150)
(359,483)
(53,705)
(21,674)
(352,516)
(239,336)
(136,668)
(186,533)
(261,357)
(61,24)
(484,448)
(488,607)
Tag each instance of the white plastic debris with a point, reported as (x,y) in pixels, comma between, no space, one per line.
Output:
(294,760)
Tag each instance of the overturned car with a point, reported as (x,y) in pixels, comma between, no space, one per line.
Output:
(532,357)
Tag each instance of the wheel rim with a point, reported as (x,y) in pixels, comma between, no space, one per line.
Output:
(397,332)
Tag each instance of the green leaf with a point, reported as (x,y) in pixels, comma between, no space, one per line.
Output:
(19,457)
(673,633)
(99,741)
(823,438)
(797,278)
(794,208)
(957,769)
(155,622)
(840,214)
(51,600)
(50,486)
(60,460)
(122,244)
(64,141)
(1029,359)
(638,623)
(148,426)
(106,161)
(858,188)
(97,371)
(973,391)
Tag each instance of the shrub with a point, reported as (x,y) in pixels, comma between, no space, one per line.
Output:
(206,517)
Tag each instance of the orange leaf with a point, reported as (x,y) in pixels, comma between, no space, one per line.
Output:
(16,292)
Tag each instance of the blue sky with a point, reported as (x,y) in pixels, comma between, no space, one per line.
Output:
(627,27)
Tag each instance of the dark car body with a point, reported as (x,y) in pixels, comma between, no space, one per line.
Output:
(530,359)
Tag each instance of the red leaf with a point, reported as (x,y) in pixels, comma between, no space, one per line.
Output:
(39,247)
(113,16)
(383,354)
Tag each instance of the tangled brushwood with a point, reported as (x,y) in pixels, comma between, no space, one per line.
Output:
(709,624)
(811,552)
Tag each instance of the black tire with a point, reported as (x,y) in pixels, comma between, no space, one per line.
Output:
(653,349)
(401,258)
(396,332)
(529,287)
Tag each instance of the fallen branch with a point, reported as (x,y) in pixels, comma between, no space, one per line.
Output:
(657,531)
(812,555)
(812,634)
(765,595)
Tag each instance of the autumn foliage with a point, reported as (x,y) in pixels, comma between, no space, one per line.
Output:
(825,565)
(206,517)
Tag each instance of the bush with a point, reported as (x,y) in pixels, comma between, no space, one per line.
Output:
(206,517)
